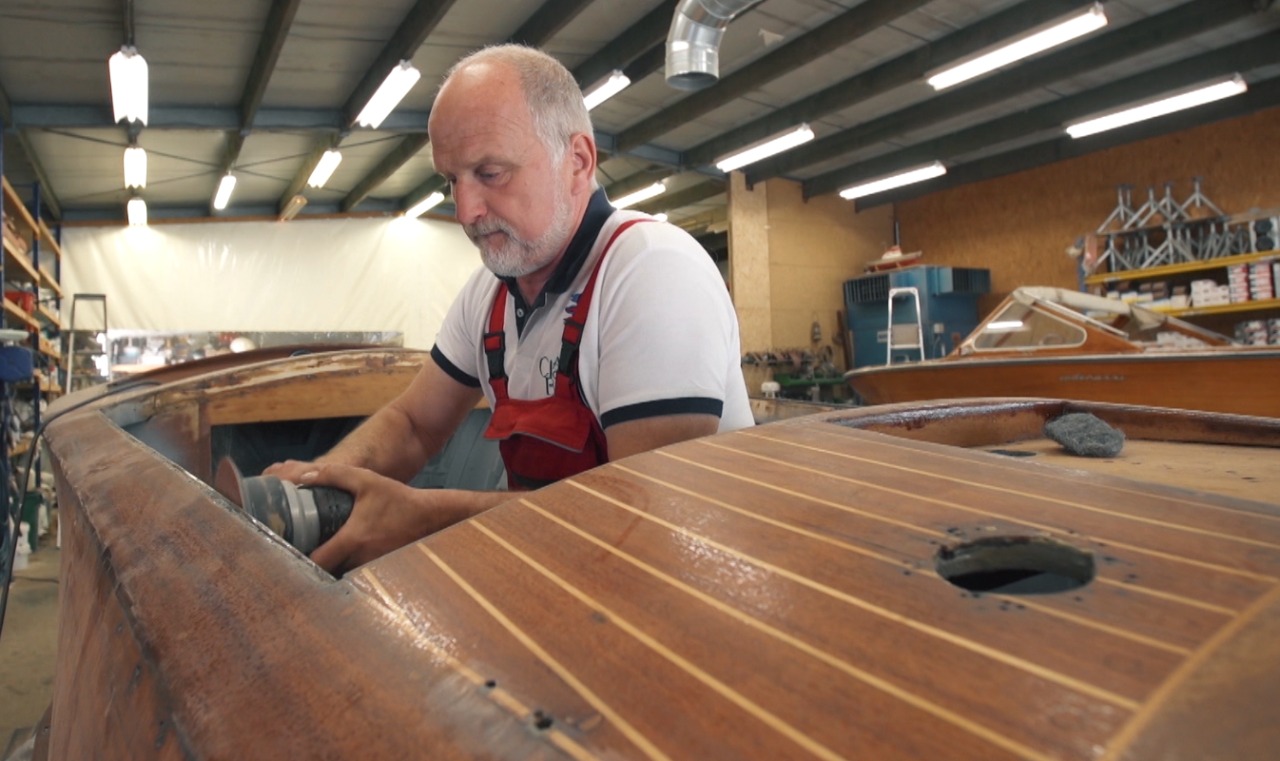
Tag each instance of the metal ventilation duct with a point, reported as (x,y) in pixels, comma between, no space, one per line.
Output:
(693,43)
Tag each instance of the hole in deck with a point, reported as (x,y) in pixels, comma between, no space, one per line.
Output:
(1015,565)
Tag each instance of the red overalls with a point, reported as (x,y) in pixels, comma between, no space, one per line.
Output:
(545,440)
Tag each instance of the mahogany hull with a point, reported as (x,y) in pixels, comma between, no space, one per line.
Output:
(1234,383)
(769,593)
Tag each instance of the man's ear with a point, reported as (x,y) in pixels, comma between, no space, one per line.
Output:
(582,158)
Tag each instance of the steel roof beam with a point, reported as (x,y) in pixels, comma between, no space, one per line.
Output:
(900,71)
(634,49)
(843,29)
(681,198)
(406,40)
(1179,23)
(638,39)
(1261,95)
(274,33)
(408,37)
(1239,57)
(550,18)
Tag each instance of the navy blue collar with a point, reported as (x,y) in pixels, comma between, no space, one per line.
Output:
(575,255)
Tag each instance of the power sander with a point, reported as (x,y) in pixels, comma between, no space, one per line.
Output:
(304,516)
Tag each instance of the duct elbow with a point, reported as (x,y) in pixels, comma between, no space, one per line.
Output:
(693,42)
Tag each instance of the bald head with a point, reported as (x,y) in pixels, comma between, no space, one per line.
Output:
(510,133)
(549,91)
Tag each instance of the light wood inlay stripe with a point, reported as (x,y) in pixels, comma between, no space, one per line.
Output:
(1155,704)
(930,532)
(732,695)
(642,742)
(868,678)
(895,562)
(895,442)
(499,695)
(988,486)
(989,514)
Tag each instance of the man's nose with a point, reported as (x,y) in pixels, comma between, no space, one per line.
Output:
(468,204)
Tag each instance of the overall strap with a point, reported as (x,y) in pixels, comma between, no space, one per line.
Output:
(495,343)
(573,324)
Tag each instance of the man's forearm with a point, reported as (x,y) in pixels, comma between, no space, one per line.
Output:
(456,505)
(385,443)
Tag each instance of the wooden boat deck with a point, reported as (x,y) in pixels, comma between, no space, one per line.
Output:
(770,593)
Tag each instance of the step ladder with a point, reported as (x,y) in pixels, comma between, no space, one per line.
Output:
(915,331)
(77,375)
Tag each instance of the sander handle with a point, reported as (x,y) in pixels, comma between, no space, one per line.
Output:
(333,508)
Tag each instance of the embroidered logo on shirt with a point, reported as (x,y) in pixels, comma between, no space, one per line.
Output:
(548,366)
(573,302)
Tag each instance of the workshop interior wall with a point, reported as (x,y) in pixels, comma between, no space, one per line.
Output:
(815,246)
(1019,226)
(338,275)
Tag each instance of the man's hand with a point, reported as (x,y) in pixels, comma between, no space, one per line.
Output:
(387,514)
(290,470)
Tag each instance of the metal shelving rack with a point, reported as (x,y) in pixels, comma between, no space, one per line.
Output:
(26,270)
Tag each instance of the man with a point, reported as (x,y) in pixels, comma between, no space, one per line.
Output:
(649,354)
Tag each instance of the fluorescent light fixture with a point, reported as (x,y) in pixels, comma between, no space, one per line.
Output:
(135,167)
(398,83)
(606,88)
(128,72)
(324,169)
(644,194)
(292,208)
(421,207)
(1061,32)
(1003,326)
(1200,95)
(919,174)
(137,210)
(762,149)
(223,196)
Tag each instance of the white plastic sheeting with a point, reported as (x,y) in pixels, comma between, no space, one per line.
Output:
(320,275)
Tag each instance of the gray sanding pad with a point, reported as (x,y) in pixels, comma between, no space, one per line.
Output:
(1084,434)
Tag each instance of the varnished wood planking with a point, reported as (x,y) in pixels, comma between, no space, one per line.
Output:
(239,631)
(1220,693)
(606,610)
(1147,503)
(938,494)
(1251,473)
(1160,622)
(862,492)
(666,702)
(930,610)
(97,644)
(1218,532)
(450,624)
(693,670)
(340,397)
(803,619)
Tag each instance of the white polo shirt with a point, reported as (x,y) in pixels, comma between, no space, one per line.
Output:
(661,336)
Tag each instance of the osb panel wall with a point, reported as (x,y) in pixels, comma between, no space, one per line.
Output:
(1020,226)
(749,261)
(749,271)
(814,247)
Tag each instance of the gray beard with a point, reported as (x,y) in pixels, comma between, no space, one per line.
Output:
(517,257)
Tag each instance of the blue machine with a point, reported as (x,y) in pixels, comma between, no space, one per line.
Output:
(948,305)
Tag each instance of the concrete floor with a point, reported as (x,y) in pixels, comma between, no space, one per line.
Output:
(28,647)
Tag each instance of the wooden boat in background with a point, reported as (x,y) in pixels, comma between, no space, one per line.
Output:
(1054,343)
(849,584)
